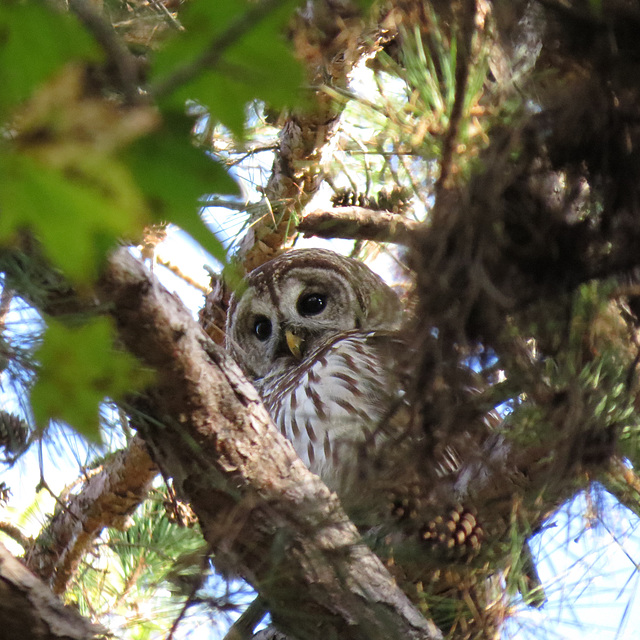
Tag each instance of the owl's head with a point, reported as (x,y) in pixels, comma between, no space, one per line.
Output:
(301,300)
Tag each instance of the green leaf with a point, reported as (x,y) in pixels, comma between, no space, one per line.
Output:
(79,368)
(231,53)
(174,174)
(78,212)
(35,41)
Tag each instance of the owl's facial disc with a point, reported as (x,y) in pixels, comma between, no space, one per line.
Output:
(300,302)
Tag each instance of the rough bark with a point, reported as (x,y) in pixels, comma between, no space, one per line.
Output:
(260,509)
(104,501)
(30,611)
(358,223)
(330,37)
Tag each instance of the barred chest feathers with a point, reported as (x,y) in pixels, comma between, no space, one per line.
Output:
(318,335)
(329,403)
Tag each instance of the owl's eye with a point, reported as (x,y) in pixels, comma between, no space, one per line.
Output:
(262,328)
(311,304)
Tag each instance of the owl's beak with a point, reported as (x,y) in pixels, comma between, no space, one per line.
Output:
(294,343)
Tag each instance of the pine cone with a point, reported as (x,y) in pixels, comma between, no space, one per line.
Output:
(351,198)
(398,200)
(14,434)
(458,534)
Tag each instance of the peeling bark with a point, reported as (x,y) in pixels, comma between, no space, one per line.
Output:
(261,510)
(105,500)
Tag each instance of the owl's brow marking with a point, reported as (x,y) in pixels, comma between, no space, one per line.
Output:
(271,289)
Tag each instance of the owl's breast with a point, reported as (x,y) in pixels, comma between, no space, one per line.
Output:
(331,402)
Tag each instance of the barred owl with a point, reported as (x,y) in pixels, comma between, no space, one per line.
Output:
(318,335)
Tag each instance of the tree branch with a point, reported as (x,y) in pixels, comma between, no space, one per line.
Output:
(296,173)
(358,223)
(28,609)
(259,508)
(105,500)
(463,57)
(15,534)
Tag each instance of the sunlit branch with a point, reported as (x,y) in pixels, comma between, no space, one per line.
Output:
(358,223)
(105,500)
